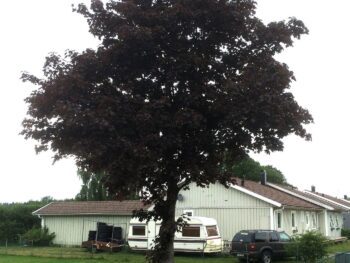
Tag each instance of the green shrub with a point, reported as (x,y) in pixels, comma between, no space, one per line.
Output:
(345,233)
(39,236)
(308,247)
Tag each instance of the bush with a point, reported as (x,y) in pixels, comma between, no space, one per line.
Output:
(308,247)
(345,233)
(39,236)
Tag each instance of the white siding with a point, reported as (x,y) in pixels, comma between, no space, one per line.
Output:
(72,230)
(301,224)
(232,209)
(335,223)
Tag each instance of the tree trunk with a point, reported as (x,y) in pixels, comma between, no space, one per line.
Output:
(164,250)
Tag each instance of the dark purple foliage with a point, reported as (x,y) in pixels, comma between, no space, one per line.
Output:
(174,87)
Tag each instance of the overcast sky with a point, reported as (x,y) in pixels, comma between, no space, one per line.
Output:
(29,30)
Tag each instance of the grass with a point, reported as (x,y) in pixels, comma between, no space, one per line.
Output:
(79,255)
(338,248)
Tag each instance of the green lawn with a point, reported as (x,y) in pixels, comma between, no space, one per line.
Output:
(79,255)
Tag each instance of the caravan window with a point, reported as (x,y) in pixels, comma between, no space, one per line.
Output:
(138,230)
(212,231)
(191,231)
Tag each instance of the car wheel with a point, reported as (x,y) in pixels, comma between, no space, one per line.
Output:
(266,256)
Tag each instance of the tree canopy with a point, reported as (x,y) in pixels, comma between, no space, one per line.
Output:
(251,170)
(92,188)
(16,219)
(173,87)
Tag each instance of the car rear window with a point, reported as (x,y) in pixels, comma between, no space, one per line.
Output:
(243,237)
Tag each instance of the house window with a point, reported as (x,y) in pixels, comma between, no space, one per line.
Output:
(188,212)
(336,222)
(293,220)
(314,220)
(191,231)
(331,222)
(279,220)
(307,219)
(212,231)
(138,230)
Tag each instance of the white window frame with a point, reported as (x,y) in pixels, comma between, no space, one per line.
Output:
(307,220)
(313,220)
(188,212)
(279,213)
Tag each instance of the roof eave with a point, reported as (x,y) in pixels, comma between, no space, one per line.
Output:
(301,197)
(36,211)
(347,208)
(251,193)
(86,214)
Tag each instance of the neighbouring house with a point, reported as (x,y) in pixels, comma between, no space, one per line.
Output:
(346,220)
(71,221)
(343,203)
(250,205)
(331,217)
(346,216)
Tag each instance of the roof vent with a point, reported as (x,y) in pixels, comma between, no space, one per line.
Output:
(313,188)
(345,197)
(263,177)
(242,181)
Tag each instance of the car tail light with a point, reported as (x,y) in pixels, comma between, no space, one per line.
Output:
(251,247)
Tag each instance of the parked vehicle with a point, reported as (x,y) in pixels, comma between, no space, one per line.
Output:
(201,234)
(264,245)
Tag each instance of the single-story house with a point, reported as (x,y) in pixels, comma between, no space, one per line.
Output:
(243,205)
(250,205)
(344,204)
(71,221)
(331,218)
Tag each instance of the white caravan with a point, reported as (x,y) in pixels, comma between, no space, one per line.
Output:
(201,234)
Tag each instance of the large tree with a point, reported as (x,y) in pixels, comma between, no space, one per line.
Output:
(173,87)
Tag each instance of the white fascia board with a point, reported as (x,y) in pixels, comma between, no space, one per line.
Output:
(251,193)
(36,211)
(301,197)
(328,200)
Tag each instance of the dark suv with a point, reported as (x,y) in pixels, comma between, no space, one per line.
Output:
(251,245)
